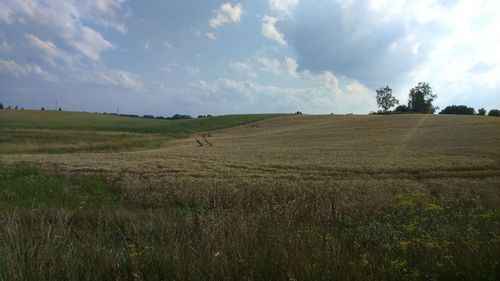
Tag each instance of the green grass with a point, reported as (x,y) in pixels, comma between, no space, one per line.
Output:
(25,131)
(26,186)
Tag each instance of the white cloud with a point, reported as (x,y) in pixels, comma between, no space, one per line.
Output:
(284,7)
(167,44)
(146,46)
(318,94)
(89,42)
(50,51)
(270,64)
(211,35)
(66,19)
(103,76)
(291,66)
(193,71)
(4,46)
(270,31)
(105,12)
(243,67)
(10,67)
(227,13)
(240,66)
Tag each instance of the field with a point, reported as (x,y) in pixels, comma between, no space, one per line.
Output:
(293,197)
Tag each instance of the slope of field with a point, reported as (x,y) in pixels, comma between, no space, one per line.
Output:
(25,131)
(317,147)
(405,197)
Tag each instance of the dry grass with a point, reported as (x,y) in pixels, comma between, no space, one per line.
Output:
(405,197)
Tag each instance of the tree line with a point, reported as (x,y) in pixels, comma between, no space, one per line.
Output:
(420,99)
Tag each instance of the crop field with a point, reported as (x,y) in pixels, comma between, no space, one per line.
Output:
(249,197)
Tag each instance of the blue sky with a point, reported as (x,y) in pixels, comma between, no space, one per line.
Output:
(223,57)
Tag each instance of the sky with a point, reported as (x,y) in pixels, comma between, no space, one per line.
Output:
(257,56)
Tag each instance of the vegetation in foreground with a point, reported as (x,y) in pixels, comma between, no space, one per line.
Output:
(291,198)
(61,228)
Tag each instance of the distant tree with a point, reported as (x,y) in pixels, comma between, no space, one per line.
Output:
(179,116)
(43,108)
(402,108)
(494,112)
(458,109)
(8,107)
(421,98)
(15,108)
(1,105)
(385,99)
(59,109)
(298,112)
(481,111)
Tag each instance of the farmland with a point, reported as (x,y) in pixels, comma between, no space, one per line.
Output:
(402,197)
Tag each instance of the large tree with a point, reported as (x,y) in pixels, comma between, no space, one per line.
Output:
(385,99)
(421,98)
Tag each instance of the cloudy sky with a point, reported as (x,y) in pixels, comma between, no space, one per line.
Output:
(221,57)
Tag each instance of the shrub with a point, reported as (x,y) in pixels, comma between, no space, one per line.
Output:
(481,111)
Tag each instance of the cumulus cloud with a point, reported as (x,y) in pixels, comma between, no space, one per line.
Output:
(284,7)
(319,95)
(270,31)
(227,13)
(10,67)
(291,66)
(211,35)
(447,43)
(49,50)
(66,19)
(270,64)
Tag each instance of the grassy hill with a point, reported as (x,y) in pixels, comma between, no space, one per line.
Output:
(406,197)
(26,131)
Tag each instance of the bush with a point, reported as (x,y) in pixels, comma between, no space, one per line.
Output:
(481,112)
(1,105)
(458,109)
(494,112)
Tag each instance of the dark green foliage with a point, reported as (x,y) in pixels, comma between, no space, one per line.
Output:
(402,108)
(1,105)
(385,99)
(458,109)
(179,117)
(494,112)
(421,98)
(42,109)
(59,109)
(481,112)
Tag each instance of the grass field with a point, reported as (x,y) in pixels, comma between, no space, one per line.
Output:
(404,197)
(58,132)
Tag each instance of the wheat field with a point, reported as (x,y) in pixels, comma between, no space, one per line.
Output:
(296,197)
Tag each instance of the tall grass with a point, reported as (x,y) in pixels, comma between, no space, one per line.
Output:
(252,231)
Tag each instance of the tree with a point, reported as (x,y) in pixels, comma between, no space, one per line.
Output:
(402,108)
(385,99)
(421,98)
(59,109)
(458,109)
(1,105)
(481,111)
(494,112)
